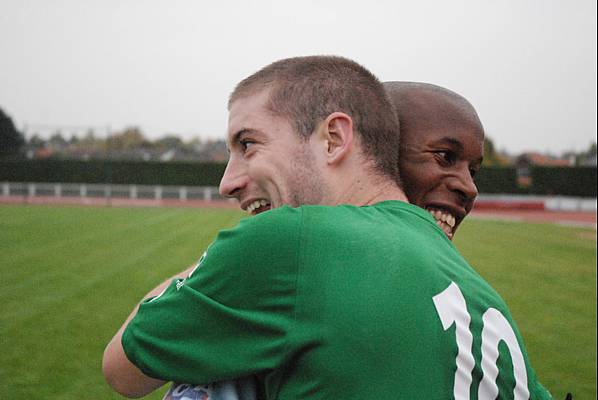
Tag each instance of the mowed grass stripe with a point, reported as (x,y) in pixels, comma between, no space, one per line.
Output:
(68,296)
(99,243)
(109,259)
(52,239)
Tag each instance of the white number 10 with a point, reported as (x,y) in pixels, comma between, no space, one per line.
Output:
(452,308)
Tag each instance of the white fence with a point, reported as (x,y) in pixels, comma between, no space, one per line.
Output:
(81,190)
(550,203)
(209,193)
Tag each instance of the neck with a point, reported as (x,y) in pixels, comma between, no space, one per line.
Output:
(367,189)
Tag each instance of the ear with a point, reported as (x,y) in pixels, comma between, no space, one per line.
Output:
(337,132)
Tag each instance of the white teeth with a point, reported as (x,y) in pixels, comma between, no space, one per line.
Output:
(451,221)
(448,231)
(444,220)
(255,205)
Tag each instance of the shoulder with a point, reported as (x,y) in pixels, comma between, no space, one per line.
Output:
(283,218)
(260,252)
(271,228)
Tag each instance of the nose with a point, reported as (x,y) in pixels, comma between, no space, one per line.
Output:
(464,185)
(233,180)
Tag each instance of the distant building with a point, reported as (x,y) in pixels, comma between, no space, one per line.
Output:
(590,161)
(525,161)
(42,152)
(168,155)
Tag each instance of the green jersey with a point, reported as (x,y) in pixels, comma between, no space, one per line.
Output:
(337,302)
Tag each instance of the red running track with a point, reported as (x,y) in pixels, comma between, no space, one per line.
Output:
(575,218)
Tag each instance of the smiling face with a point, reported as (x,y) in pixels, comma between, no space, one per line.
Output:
(269,164)
(441,151)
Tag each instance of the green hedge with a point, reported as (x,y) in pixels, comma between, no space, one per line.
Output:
(566,181)
(497,180)
(569,181)
(117,172)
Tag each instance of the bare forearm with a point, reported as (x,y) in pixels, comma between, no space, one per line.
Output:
(122,375)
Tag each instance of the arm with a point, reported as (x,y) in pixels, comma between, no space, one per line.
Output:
(222,322)
(122,375)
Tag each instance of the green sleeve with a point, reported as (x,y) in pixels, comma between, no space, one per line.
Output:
(233,315)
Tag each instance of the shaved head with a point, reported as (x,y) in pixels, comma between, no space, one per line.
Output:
(430,106)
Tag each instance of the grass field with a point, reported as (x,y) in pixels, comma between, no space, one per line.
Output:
(70,275)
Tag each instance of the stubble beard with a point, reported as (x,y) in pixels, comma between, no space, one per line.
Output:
(307,183)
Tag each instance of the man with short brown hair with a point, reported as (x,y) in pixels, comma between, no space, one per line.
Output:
(353,297)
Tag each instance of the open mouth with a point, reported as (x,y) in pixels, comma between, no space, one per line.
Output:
(258,206)
(445,220)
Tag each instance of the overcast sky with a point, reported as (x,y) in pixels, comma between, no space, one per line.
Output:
(528,67)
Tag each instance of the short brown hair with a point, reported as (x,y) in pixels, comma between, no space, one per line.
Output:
(305,90)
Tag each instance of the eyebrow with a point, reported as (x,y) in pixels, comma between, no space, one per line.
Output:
(456,143)
(244,131)
(450,141)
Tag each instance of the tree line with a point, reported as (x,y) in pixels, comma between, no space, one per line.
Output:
(131,144)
